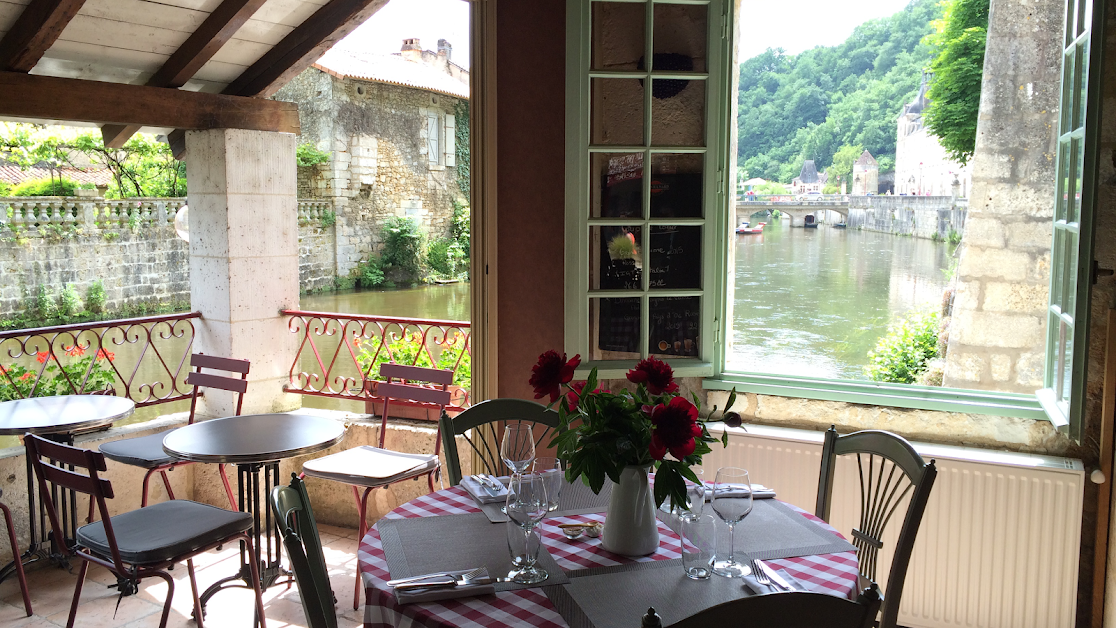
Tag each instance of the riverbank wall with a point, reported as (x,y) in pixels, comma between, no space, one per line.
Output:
(130,246)
(930,217)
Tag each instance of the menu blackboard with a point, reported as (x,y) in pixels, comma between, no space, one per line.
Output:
(618,322)
(618,270)
(673,325)
(676,195)
(675,259)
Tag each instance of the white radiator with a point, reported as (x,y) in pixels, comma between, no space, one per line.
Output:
(998,546)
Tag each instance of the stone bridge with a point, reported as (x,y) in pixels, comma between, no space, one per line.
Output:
(795,210)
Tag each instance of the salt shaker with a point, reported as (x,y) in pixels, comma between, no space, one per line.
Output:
(651,619)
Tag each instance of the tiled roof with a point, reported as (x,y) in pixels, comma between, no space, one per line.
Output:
(866,159)
(809,172)
(11,174)
(390,69)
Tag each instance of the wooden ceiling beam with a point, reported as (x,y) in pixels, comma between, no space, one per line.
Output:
(34,31)
(303,46)
(196,51)
(77,100)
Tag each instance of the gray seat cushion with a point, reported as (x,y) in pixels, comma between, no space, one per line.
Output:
(159,533)
(141,451)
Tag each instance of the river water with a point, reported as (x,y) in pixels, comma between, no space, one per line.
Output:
(813,302)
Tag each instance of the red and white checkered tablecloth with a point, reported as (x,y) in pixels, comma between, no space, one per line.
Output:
(831,573)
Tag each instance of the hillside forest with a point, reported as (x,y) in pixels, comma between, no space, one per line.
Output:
(816,103)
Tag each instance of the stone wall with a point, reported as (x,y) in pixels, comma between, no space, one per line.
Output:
(931,217)
(380,167)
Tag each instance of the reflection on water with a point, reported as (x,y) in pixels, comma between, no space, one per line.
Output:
(813,302)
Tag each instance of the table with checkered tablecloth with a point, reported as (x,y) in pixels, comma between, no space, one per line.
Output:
(835,573)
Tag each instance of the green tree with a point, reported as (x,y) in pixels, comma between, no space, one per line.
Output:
(841,169)
(958,66)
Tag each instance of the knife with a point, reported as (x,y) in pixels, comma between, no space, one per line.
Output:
(430,584)
(483,481)
(774,575)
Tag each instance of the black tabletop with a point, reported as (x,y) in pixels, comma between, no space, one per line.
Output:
(253,438)
(62,414)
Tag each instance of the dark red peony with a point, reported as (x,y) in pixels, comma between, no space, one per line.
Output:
(674,429)
(656,374)
(551,372)
(732,419)
(573,398)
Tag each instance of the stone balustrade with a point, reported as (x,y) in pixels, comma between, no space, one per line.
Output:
(28,214)
(312,211)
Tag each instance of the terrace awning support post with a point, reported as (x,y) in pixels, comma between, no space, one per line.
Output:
(241,189)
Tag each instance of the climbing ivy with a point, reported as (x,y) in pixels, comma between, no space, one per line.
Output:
(461,143)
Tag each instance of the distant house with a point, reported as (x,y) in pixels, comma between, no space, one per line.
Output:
(11,174)
(922,166)
(809,180)
(865,175)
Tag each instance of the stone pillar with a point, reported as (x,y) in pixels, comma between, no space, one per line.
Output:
(244,258)
(997,334)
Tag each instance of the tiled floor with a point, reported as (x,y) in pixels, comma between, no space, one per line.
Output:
(52,590)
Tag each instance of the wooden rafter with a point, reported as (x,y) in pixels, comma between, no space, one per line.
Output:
(303,46)
(34,31)
(196,51)
(52,98)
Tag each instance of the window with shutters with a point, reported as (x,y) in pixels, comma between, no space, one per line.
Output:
(433,139)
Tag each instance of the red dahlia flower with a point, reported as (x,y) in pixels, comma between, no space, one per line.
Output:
(551,372)
(657,374)
(675,429)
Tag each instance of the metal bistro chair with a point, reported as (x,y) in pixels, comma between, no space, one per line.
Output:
(370,468)
(295,519)
(147,451)
(141,543)
(17,561)
(483,421)
(890,470)
(798,609)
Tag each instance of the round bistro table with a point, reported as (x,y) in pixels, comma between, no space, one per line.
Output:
(832,573)
(57,418)
(255,443)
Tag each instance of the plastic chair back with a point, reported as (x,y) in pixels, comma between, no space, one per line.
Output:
(295,520)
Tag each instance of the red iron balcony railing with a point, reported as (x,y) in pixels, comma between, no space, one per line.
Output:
(339,355)
(145,359)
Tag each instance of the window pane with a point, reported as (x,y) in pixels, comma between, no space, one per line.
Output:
(1081,91)
(616,258)
(618,35)
(614,329)
(617,185)
(1058,258)
(673,324)
(680,32)
(1065,370)
(617,112)
(675,258)
(1070,280)
(1068,82)
(677,113)
(676,185)
(1061,211)
(1077,158)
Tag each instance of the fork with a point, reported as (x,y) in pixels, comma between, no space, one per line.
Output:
(466,577)
(762,577)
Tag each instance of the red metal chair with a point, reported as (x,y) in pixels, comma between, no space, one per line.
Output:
(147,451)
(370,468)
(16,558)
(141,543)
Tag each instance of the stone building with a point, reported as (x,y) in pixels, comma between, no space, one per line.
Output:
(865,175)
(389,124)
(922,166)
(809,180)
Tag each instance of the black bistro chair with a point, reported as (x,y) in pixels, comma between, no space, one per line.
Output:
(295,519)
(481,426)
(141,543)
(795,609)
(890,470)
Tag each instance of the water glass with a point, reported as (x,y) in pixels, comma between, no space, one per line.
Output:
(518,447)
(732,501)
(551,470)
(526,507)
(699,539)
(524,548)
(695,496)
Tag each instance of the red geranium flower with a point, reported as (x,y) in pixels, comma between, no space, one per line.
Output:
(102,354)
(551,372)
(26,376)
(42,356)
(657,374)
(573,398)
(675,429)
(75,351)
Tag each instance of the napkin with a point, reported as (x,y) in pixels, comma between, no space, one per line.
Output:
(762,589)
(480,586)
(759,491)
(482,496)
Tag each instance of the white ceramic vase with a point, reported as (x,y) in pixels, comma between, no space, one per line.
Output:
(630,527)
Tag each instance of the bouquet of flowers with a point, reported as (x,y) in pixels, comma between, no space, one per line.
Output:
(601,432)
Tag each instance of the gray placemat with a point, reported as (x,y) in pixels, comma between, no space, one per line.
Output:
(610,597)
(774,530)
(576,499)
(420,545)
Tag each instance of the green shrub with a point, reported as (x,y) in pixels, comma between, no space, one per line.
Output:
(16,381)
(95,298)
(329,218)
(408,350)
(70,305)
(904,351)
(309,155)
(46,307)
(369,273)
(954,237)
(44,187)
(446,259)
(5,189)
(402,245)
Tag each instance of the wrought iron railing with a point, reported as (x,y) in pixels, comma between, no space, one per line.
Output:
(145,359)
(339,354)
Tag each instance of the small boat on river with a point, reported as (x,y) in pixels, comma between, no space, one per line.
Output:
(746,229)
(809,222)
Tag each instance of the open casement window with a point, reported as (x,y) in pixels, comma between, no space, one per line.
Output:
(1072,253)
(433,137)
(646,195)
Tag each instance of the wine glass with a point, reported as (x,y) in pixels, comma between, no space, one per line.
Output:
(732,501)
(518,448)
(526,506)
(551,470)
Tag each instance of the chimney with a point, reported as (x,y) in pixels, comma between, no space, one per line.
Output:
(411,50)
(445,49)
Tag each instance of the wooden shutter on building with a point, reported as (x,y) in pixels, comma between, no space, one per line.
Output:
(451,141)
(433,133)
